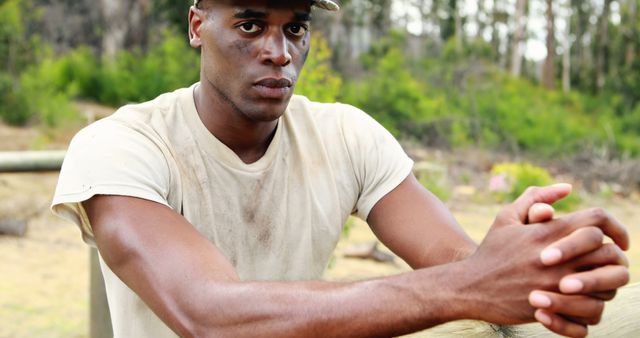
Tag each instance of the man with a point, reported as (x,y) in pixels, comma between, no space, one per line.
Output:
(216,208)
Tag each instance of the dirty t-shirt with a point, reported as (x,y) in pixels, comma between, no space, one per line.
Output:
(275,219)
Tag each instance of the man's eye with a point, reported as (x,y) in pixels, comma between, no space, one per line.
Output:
(249,27)
(297,30)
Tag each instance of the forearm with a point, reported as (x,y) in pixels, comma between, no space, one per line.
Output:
(377,308)
(418,227)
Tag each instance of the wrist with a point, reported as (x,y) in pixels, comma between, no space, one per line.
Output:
(454,294)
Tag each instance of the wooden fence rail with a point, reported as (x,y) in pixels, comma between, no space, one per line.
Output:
(42,161)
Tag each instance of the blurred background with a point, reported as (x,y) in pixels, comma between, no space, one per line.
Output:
(487,96)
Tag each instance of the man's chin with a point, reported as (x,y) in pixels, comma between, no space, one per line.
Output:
(270,110)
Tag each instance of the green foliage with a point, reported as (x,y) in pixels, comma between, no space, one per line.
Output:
(437,182)
(390,93)
(135,76)
(33,98)
(29,82)
(318,81)
(11,33)
(510,180)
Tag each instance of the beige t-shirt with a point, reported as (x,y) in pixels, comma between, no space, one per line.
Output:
(276,219)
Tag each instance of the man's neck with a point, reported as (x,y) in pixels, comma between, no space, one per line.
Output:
(248,139)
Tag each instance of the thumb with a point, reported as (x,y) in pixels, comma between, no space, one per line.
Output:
(539,213)
(533,195)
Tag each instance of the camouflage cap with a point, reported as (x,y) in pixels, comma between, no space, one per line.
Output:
(329,5)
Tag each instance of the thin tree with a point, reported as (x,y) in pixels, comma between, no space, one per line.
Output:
(549,69)
(603,45)
(566,53)
(631,32)
(520,21)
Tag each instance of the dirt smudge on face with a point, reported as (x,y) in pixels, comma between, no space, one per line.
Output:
(243,46)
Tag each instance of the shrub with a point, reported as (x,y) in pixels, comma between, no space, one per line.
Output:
(510,180)
(135,76)
(318,81)
(434,177)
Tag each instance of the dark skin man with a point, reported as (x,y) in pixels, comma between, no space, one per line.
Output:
(529,267)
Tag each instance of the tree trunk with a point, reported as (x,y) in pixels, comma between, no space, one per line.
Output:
(479,21)
(566,56)
(632,33)
(516,52)
(125,24)
(459,34)
(603,46)
(495,36)
(548,70)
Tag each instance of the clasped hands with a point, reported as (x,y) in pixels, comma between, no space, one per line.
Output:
(564,260)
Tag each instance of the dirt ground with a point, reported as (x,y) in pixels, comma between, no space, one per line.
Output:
(44,276)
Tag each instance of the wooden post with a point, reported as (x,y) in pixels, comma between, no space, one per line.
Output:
(99,312)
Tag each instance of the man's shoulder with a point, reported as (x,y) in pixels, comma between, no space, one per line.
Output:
(145,111)
(336,111)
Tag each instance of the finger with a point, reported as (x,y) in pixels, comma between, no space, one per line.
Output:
(540,212)
(577,308)
(579,242)
(606,278)
(559,325)
(604,295)
(533,195)
(607,254)
(595,217)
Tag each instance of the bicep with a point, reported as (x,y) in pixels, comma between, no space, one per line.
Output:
(157,253)
(418,227)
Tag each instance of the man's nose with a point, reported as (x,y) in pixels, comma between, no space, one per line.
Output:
(275,50)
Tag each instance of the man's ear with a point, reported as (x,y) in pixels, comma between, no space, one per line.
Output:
(196,17)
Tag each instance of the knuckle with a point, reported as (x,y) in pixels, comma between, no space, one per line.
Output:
(599,214)
(595,235)
(624,275)
(531,190)
(598,308)
(595,319)
(613,253)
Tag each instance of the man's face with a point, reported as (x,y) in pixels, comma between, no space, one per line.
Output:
(252,52)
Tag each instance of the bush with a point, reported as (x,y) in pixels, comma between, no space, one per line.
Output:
(318,81)
(392,94)
(135,76)
(35,97)
(434,177)
(510,180)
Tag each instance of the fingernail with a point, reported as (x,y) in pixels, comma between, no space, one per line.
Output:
(539,300)
(543,317)
(571,285)
(562,185)
(550,256)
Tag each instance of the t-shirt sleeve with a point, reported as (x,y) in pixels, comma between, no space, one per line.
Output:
(379,162)
(109,158)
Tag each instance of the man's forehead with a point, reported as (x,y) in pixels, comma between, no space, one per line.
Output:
(247,9)
(282,4)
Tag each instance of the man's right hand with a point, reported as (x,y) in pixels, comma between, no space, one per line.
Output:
(550,258)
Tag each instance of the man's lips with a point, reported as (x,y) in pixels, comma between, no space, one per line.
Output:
(273,88)
(274,83)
